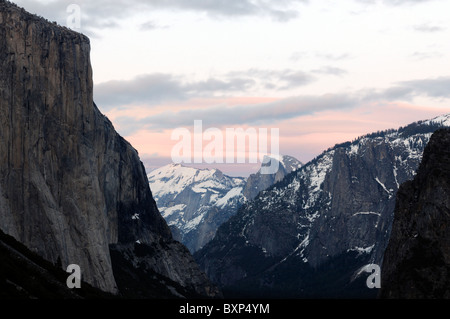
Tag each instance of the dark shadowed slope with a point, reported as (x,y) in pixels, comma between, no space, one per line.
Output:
(417,259)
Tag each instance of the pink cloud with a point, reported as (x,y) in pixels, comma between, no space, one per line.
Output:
(303,137)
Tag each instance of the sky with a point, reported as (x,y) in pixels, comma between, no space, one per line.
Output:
(318,72)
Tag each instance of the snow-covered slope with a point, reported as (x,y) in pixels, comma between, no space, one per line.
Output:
(174,178)
(443,120)
(195,202)
(334,214)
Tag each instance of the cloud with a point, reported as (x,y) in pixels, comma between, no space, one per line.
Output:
(293,79)
(428,28)
(155,88)
(292,107)
(277,10)
(435,88)
(150,89)
(211,86)
(151,25)
(394,2)
(102,14)
(401,2)
(406,90)
(426,55)
(223,115)
(298,55)
(330,70)
(95,15)
(333,57)
(277,79)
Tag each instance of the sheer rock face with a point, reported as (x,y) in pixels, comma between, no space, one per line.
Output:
(417,259)
(259,182)
(70,186)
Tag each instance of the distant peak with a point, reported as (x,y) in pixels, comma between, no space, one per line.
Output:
(442,119)
(289,163)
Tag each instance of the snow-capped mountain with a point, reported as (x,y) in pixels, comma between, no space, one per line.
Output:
(195,202)
(310,233)
(258,182)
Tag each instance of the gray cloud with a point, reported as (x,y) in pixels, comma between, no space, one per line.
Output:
(155,88)
(270,113)
(394,2)
(276,79)
(330,70)
(95,15)
(296,56)
(407,90)
(151,25)
(428,28)
(211,86)
(277,10)
(148,89)
(295,79)
(220,115)
(101,14)
(401,2)
(426,55)
(333,57)
(435,88)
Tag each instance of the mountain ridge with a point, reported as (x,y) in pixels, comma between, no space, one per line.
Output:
(339,204)
(195,202)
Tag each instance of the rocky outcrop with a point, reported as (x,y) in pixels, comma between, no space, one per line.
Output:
(258,182)
(417,259)
(309,234)
(71,188)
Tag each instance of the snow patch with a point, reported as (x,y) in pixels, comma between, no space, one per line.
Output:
(362,250)
(354,148)
(193,223)
(444,120)
(168,211)
(390,192)
(232,193)
(366,213)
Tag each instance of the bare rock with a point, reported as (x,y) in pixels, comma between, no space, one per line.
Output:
(70,186)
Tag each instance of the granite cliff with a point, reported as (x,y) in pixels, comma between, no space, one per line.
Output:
(258,182)
(417,259)
(71,188)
